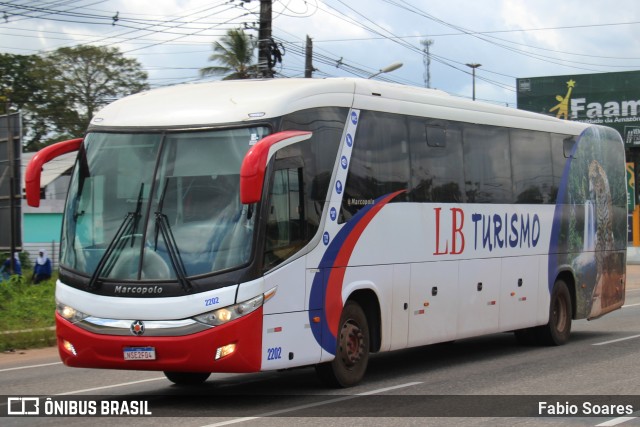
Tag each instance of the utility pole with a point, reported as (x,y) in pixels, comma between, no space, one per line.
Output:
(427,62)
(11,155)
(308,54)
(264,40)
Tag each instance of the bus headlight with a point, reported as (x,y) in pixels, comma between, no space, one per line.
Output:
(231,312)
(69,313)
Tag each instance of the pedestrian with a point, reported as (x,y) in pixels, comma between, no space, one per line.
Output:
(42,269)
(4,270)
(6,267)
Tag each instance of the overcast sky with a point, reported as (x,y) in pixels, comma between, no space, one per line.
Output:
(510,38)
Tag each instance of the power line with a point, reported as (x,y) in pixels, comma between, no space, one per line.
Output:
(143,32)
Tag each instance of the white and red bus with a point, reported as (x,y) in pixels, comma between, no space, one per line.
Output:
(246,226)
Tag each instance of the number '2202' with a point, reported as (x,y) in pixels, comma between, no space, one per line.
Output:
(274,353)
(211,301)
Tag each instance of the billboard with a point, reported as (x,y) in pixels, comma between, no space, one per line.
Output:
(609,99)
(10,184)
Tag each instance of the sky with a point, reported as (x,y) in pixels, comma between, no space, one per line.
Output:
(172,39)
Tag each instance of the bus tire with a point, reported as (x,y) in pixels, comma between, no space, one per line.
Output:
(187,378)
(352,349)
(557,331)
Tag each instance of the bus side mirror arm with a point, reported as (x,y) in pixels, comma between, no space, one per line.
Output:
(34,168)
(254,164)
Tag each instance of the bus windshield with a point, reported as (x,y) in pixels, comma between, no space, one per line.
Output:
(158,206)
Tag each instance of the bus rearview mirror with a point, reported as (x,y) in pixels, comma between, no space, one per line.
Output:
(255,162)
(34,168)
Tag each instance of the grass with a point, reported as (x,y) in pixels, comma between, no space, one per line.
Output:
(27,313)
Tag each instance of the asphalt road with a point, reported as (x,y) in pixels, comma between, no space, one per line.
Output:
(480,381)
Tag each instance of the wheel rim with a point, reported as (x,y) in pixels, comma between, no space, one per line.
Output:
(351,343)
(560,314)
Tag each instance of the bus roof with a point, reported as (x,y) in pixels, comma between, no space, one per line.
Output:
(233,101)
(230,101)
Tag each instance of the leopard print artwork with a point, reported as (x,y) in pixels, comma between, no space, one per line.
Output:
(600,195)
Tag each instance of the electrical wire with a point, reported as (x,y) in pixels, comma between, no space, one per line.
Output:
(143,32)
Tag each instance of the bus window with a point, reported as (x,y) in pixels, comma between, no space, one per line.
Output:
(379,161)
(436,162)
(487,164)
(285,232)
(532,167)
(318,154)
(559,145)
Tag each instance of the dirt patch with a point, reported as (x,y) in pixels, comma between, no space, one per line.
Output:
(31,356)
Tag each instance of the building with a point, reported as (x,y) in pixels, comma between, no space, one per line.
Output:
(42,226)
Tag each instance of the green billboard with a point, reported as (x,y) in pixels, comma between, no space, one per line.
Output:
(609,99)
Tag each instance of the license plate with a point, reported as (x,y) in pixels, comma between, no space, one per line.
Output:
(139,353)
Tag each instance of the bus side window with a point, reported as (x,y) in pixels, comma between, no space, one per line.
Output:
(561,148)
(487,164)
(318,154)
(285,231)
(532,168)
(436,161)
(379,162)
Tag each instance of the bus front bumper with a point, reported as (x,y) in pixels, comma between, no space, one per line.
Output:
(198,352)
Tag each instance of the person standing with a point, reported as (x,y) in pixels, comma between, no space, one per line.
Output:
(42,269)
(6,267)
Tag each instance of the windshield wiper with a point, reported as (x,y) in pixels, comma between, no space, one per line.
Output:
(163,227)
(128,227)
(136,218)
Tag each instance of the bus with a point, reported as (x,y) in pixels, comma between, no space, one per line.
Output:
(245,226)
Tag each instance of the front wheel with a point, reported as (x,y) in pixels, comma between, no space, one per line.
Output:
(557,331)
(187,378)
(352,350)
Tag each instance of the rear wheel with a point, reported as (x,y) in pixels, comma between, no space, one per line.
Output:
(557,331)
(352,351)
(187,378)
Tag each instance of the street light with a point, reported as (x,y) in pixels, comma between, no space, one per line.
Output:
(387,69)
(473,69)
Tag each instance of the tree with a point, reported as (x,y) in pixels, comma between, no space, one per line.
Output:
(59,93)
(82,79)
(18,87)
(235,52)
(23,89)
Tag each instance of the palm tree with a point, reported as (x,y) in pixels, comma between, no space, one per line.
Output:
(235,52)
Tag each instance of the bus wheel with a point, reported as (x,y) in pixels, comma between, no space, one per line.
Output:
(352,351)
(557,331)
(187,378)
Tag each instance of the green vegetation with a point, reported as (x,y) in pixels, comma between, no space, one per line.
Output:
(27,313)
(58,92)
(235,52)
